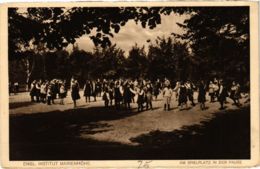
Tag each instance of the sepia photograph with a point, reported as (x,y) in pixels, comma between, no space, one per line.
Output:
(129,83)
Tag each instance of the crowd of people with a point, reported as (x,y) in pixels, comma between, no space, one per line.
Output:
(48,91)
(121,93)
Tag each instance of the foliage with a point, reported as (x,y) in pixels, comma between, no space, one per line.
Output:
(137,62)
(219,39)
(216,42)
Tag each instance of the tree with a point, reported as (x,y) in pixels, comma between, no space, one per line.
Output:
(79,64)
(169,58)
(107,62)
(219,39)
(137,62)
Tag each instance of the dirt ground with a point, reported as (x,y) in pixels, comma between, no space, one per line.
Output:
(32,123)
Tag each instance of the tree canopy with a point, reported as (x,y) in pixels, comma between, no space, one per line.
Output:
(216,42)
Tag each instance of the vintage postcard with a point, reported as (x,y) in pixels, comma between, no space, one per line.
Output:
(129,84)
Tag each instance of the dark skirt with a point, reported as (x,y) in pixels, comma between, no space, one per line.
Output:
(33,92)
(201,98)
(183,95)
(75,95)
(156,91)
(62,95)
(140,99)
(183,98)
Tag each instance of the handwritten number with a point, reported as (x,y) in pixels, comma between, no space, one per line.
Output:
(143,164)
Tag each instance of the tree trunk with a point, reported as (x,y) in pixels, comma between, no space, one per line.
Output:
(29,70)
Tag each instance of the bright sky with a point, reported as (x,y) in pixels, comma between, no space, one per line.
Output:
(132,33)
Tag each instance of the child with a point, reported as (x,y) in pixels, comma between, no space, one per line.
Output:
(202,95)
(43,92)
(62,93)
(149,96)
(140,98)
(222,94)
(182,96)
(75,92)
(167,94)
(87,90)
(211,91)
(49,94)
(106,96)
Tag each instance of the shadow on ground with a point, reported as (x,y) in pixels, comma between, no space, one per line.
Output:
(15,105)
(55,136)
(226,136)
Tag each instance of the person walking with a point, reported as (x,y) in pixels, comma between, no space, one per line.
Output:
(216,89)
(222,94)
(149,96)
(157,87)
(49,95)
(105,96)
(127,95)
(62,93)
(118,96)
(140,98)
(189,87)
(75,92)
(16,87)
(202,95)
(211,91)
(87,90)
(43,92)
(167,94)
(33,91)
(111,92)
(182,96)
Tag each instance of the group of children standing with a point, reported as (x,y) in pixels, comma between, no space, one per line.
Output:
(124,92)
(48,91)
(184,93)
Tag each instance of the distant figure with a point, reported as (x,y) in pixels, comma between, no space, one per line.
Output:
(177,90)
(222,94)
(235,93)
(211,91)
(38,91)
(43,92)
(117,95)
(87,90)
(105,96)
(98,88)
(53,91)
(62,93)
(189,86)
(216,89)
(75,92)
(182,96)
(202,95)
(167,94)
(157,87)
(127,95)
(49,95)
(149,96)
(16,87)
(33,91)
(132,89)
(94,90)
(140,98)
(111,92)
